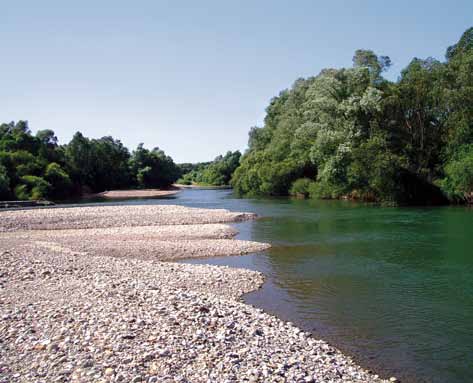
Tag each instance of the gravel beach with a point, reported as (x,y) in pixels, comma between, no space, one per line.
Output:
(89,217)
(134,193)
(86,297)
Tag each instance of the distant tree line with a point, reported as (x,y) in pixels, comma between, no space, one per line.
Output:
(219,172)
(37,167)
(350,133)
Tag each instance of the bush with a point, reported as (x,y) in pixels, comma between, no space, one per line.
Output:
(300,187)
(143,176)
(374,172)
(184,181)
(32,188)
(259,174)
(459,181)
(323,190)
(4,183)
(153,169)
(60,181)
(216,173)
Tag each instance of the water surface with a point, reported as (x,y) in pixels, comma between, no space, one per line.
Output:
(392,287)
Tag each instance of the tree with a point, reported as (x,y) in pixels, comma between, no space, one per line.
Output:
(36,166)
(374,171)
(98,164)
(301,187)
(47,137)
(4,183)
(61,185)
(421,115)
(220,171)
(459,175)
(32,188)
(351,133)
(464,45)
(375,64)
(48,148)
(110,164)
(153,169)
(80,160)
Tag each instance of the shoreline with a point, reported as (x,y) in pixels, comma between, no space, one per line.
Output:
(171,319)
(132,193)
(319,332)
(203,187)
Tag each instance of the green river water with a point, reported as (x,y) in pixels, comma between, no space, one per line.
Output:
(392,287)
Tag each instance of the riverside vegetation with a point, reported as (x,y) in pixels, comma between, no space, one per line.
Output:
(120,314)
(219,172)
(351,133)
(37,167)
(345,133)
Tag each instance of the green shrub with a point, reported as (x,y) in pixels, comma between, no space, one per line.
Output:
(459,175)
(300,187)
(60,181)
(21,192)
(374,171)
(216,173)
(32,188)
(323,190)
(153,168)
(184,181)
(4,183)
(143,176)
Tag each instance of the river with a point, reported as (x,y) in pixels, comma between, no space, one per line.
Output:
(392,287)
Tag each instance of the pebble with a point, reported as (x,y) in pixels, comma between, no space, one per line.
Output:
(78,306)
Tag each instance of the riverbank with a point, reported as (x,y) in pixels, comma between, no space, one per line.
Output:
(86,297)
(22,204)
(133,193)
(203,187)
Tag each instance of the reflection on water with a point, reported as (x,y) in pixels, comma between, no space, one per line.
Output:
(391,286)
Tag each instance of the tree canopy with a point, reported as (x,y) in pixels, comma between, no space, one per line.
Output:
(37,167)
(219,172)
(351,133)
(344,133)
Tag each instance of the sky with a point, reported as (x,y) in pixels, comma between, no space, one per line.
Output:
(192,77)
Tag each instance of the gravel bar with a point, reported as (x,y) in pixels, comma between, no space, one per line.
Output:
(91,217)
(135,193)
(92,301)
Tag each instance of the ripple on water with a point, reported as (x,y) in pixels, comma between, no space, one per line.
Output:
(391,286)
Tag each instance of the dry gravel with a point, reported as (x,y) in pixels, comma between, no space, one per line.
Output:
(69,312)
(91,217)
(215,231)
(135,193)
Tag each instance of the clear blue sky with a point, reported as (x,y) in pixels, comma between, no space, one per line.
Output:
(193,76)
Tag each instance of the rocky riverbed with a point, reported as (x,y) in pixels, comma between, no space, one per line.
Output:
(86,297)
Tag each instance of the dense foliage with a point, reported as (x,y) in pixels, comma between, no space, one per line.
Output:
(351,133)
(153,168)
(216,173)
(345,133)
(37,167)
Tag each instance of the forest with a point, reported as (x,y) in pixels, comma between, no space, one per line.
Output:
(218,172)
(37,167)
(345,133)
(350,133)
